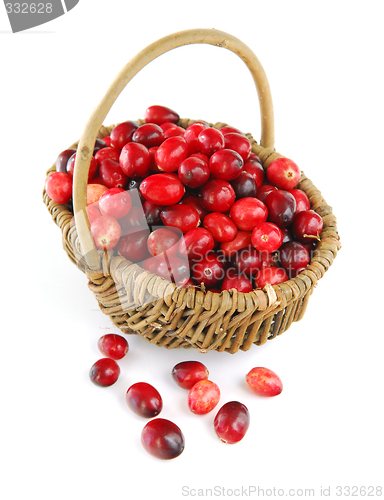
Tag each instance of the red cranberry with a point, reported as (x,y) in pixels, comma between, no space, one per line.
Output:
(246,213)
(113,346)
(149,134)
(92,167)
(122,134)
(225,164)
(111,173)
(302,200)
(269,259)
(104,372)
(133,246)
(244,185)
(135,160)
(106,232)
(181,216)
(172,268)
(271,275)
(293,257)
(107,153)
(281,207)
(115,202)
(267,237)
(240,283)
(209,141)
(171,153)
(162,439)
(201,157)
(187,373)
(287,236)
(263,191)
(220,226)
(230,130)
(307,226)
(196,243)
(217,195)
(209,270)
(232,422)
(193,172)
(59,187)
(107,140)
(195,203)
(162,189)
(174,131)
(62,159)
(160,114)
(191,134)
(242,240)
(166,125)
(255,168)
(283,173)
(162,239)
(203,397)
(93,213)
(152,213)
(153,166)
(239,143)
(94,191)
(144,400)
(133,221)
(264,382)
(248,261)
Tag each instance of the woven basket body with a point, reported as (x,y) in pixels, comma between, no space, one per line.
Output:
(140,302)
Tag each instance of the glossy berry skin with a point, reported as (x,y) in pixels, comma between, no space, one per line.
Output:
(153,167)
(239,143)
(107,140)
(240,283)
(105,372)
(269,259)
(166,125)
(187,373)
(222,228)
(244,185)
(225,164)
(293,257)
(180,216)
(144,400)
(171,153)
(217,195)
(302,200)
(174,131)
(242,240)
(106,232)
(62,159)
(287,236)
(161,240)
(281,207)
(92,167)
(264,382)
(162,439)
(196,243)
(272,275)
(264,190)
(248,261)
(107,153)
(209,270)
(111,174)
(307,226)
(115,202)
(194,202)
(162,189)
(160,114)
(201,156)
(193,172)
(59,187)
(173,268)
(229,130)
(267,237)
(255,168)
(203,397)
(122,134)
(283,173)
(152,213)
(135,160)
(191,134)
(232,422)
(134,246)
(209,141)
(94,191)
(149,134)
(113,346)
(247,213)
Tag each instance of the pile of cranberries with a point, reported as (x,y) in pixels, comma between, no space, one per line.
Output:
(161,437)
(194,205)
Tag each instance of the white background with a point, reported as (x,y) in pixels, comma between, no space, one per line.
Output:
(61,436)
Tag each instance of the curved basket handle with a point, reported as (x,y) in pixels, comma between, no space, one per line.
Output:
(151,52)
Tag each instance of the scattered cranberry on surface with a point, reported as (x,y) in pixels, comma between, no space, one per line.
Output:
(232,422)
(203,397)
(113,346)
(104,372)
(162,439)
(144,400)
(187,373)
(264,382)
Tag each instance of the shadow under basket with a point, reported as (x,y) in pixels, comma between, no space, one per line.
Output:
(142,303)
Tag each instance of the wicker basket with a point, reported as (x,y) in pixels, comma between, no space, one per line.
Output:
(140,302)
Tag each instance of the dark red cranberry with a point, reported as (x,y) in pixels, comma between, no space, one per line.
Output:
(232,422)
(248,261)
(133,221)
(239,143)
(240,283)
(242,240)
(264,190)
(255,168)
(191,134)
(209,141)
(225,164)
(149,134)
(267,237)
(287,236)
(62,159)
(181,216)
(162,239)
(307,226)
(193,172)
(92,167)
(122,134)
(170,267)
(187,373)
(152,213)
(269,259)
(162,439)
(196,243)
(283,173)
(160,114)
(220,226)
(135,160)
(171,153)
(133,246)
(113,346)
(144,400)
(111,173)
(244,185)
(271,275)
(104,372)
(302,200)
(99,144)
(153,166)
(281,207)
(217,195)
(293,257)
(194,202)
(209,270)
(162,189)
(246,213)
